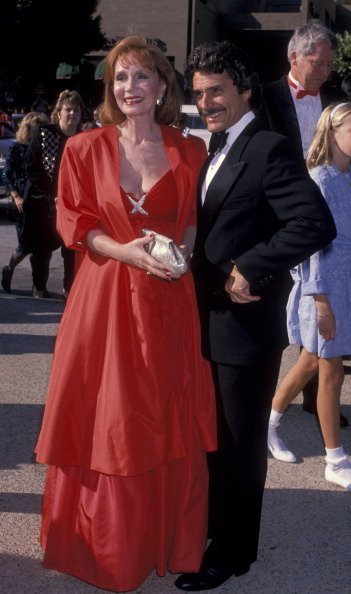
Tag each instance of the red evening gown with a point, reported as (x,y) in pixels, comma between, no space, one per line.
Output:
(129,414)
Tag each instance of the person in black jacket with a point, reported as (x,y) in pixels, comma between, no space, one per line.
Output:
(346,86)
(14,177)
(42,167)
(292,105)
(259,214)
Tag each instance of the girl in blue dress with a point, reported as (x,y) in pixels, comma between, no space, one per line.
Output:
(319,306)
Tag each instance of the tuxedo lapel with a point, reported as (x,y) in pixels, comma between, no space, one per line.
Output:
(219,189)
(285,105)
(201,181)
(225,178)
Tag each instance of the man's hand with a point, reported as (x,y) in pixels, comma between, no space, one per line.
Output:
(238,288)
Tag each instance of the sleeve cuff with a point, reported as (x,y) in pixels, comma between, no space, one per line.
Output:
(314,287)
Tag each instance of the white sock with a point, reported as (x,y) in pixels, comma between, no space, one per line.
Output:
(273,437)
(274,418)
(335,454)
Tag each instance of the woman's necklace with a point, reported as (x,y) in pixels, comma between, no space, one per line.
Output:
(137,204)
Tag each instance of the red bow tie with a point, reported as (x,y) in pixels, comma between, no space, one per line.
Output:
(301,93)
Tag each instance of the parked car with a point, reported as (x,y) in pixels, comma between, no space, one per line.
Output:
(5,145)
(16,119)
(195,123)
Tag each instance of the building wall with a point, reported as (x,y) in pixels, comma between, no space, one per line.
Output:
(334,14)
(205,23)
(278,21)
(343,18)
(265,35)
(163,19)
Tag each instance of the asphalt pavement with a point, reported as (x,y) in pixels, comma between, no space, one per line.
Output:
(306,524)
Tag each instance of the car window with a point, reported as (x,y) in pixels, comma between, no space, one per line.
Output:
(196,122)
(6,133)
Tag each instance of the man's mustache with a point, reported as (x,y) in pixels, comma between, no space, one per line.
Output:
(208,112)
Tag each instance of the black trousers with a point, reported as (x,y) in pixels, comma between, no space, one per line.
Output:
(40,261)
(68,257)
(39,236)
(238,469)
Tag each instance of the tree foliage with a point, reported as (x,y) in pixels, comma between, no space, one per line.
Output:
(342,64)
(38,34)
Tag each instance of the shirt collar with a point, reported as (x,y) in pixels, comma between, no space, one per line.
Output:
(235,130)
(296,82)
(299,87)
(334,171)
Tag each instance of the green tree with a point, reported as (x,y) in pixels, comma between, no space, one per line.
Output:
(342,64)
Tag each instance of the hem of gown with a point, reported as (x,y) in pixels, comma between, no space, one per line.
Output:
(98,584)
(315,352)
(177,548)
(95,584)
(109,587)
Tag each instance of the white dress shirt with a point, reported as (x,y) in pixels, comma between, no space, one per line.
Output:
(308,110)
(218,158)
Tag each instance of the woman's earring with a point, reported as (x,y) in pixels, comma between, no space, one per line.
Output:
(159,100)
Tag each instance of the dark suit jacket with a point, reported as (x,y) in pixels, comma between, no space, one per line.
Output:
(264,212)
(43,161)
(278,110)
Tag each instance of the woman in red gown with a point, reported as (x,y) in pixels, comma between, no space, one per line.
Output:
(130,410)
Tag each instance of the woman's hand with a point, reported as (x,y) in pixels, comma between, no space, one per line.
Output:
(134,254)
(326,326)
(325,317)
(18,200)
(186,250)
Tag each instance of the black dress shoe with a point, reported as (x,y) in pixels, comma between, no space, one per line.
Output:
(309,408)
(207,578)
(313,411)
(7,274)
(41,293)
(343,421)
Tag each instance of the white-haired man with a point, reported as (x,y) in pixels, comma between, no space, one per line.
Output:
(293,104)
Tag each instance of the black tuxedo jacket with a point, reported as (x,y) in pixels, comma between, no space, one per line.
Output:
(264,212)
(278,110)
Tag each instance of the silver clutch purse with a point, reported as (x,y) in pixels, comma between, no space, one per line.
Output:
(164,250)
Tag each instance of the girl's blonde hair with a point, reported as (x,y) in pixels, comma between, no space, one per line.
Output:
(151,57)
(28,125)
(320,152)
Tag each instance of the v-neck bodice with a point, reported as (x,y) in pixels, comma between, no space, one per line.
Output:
(161,205)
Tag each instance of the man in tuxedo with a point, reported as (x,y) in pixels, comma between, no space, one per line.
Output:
(292,106)
(259,215)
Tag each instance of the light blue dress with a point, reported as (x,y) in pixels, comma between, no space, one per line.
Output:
(327,271)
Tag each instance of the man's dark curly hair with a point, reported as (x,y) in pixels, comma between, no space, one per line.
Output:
(216,56)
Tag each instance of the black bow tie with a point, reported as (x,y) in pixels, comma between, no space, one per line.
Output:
(217,142)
